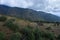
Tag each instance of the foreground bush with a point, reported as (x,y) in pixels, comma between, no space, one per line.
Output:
(49,35)
(58,38)
(27,33)
(2,36)
(36,34)
(15,36)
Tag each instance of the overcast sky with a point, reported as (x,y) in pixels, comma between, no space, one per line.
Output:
(52,6)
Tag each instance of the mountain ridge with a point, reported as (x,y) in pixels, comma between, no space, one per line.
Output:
(28,14)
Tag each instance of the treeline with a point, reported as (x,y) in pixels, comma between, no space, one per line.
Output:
(46,22)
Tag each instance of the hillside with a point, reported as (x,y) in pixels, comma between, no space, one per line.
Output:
(12,28)
(28,14)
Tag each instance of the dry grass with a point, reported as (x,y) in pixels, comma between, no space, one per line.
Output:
(23,23)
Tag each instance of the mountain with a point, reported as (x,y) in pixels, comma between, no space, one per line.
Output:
(28,14)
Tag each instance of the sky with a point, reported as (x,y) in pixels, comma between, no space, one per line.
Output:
(51,6)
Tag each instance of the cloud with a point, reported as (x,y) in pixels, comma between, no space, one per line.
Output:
(52,6)
(18,3)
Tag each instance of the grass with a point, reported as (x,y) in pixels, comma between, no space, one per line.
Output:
(24,23)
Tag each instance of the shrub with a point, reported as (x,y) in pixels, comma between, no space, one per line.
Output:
(37,34)
(12,26)
(58,38)
(2,36)
(15,36)
(3,18)
(48,28)
(27,33)
(49,35)
(31,34)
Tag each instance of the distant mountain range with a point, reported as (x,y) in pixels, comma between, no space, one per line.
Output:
(28,14)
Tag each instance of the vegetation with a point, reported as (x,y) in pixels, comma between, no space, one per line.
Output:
(12,20)
(12,26)
(3,18)
(2,36)
(15,36)
(50,36)
(28,32)
(58,38)
(36,34)
(48,28)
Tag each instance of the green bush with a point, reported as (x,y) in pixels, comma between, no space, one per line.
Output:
(49,35)
(58,38)
(3,18)
(31,34)
(27,33)
(15,36)
(37,34)
(12,26)
(2,36)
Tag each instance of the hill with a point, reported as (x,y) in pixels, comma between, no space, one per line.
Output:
(28,14)
(12,28)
